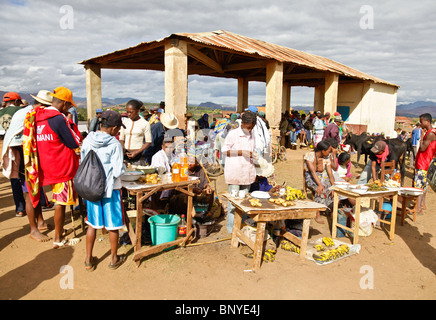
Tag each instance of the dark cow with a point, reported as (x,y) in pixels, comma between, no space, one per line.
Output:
(363,143)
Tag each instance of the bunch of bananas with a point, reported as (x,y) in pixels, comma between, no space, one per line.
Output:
(331,254)
(328,242)
(289,246)
(268,256)
(294,194)
(255,202)
(282,202)
(319,247)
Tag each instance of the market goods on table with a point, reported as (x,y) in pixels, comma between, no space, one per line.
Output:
(255,202)
(131,175)
(150,178)
(376,185)
(294,194)
(282,202)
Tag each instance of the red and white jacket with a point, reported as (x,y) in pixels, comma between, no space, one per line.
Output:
(57,138)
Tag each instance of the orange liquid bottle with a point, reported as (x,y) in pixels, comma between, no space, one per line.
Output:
(184,168)
(175,172)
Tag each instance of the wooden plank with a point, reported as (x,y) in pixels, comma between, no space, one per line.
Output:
(304,236)
(335,213)
(259,245)
(393,217)
(146,251)
(200,56)
(245,239)
(246,65)
(150,193)
(237,222)
(304,76)
(134,66)
(191,194)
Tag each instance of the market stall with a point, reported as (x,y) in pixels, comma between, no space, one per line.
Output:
(266,210)
(359,193)
(142,192)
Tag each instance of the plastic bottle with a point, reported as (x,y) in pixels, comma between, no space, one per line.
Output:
(181,230)
(175,171)
(397,176)
(183,166)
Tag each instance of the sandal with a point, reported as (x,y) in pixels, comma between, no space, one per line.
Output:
(90,266)
(120,261)
(20,214)
(66,243)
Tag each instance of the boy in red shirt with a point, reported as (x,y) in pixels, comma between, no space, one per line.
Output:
(425,154)
(50,140)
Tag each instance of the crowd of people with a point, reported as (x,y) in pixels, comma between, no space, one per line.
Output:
(43,147)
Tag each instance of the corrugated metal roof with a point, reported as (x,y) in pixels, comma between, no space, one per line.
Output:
(235,42)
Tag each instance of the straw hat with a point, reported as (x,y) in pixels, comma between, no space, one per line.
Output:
(44,97)
(169,120)
(264,168)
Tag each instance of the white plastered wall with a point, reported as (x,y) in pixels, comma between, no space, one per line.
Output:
(370,104)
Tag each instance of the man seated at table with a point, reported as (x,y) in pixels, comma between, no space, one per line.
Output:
(203,191)
(164,157)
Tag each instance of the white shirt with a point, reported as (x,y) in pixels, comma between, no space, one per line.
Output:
(239,170)
(136,133)
(160,159)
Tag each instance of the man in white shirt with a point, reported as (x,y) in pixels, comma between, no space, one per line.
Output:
(163,157)
(261,136)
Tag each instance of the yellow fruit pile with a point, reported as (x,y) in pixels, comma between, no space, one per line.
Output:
(294,194)
(255,202)
(282,202)
(330,254)
(149,178)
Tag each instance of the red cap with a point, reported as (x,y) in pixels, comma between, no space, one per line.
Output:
(11,96)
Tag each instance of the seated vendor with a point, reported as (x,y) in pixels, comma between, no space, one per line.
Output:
(203,191)
(263,171)
(163,157)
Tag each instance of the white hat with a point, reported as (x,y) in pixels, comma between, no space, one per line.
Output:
(264,168)
(44,96)
(169,120)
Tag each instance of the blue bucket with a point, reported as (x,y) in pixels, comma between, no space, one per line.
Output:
(163,228)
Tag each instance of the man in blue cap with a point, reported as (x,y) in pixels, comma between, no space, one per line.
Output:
(95,122)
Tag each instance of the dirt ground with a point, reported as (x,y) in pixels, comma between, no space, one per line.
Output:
(404,268)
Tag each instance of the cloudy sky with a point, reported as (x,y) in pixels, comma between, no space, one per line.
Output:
(41,42)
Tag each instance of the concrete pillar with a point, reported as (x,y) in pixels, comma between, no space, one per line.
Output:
(331,92)
(318,99)
(242,95)
(274,93)
(286,99)
(93,89)
(176,78)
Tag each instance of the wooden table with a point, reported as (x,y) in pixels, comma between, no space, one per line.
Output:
(142,193)
(373,196)
(404,199)
(270,212)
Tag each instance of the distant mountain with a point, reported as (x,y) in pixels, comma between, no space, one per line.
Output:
(415,109)
(416,104)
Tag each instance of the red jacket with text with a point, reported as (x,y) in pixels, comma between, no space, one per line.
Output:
(57,138)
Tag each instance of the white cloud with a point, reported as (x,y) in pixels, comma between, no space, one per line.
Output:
(37,53)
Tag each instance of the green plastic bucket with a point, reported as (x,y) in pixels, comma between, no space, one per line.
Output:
(163,228)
